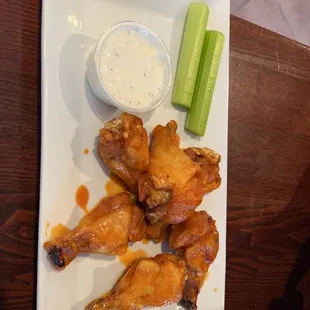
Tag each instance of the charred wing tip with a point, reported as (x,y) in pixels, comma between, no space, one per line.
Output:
(56,258)
(188,305)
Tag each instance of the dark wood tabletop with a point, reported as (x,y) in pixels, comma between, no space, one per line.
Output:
(268,245)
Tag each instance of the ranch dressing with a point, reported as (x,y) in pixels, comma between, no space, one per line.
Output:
(130,68)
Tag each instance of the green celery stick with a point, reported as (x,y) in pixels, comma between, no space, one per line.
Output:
(193,36)
(197,116)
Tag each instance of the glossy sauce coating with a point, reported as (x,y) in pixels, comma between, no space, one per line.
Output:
(58,231)
(130,256)
(114,186)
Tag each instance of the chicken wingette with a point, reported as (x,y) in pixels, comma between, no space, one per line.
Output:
(197,242)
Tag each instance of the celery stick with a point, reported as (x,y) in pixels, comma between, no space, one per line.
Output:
(197,116)
(193,36)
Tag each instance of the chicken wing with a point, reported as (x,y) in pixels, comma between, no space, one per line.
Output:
(177,179)
(197,242)
(148,282)
(107,229)
(208,175)
(123,146)
(169,166)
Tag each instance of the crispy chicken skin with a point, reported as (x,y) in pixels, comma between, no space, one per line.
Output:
(156,231)
(208,175)
(148,282)
(123,146)
(107,229)
(177,179)
(169,167)
(197,242)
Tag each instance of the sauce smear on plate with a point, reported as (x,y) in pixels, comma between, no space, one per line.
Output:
(58,231)
(82,197)
(130,256)
(114,186)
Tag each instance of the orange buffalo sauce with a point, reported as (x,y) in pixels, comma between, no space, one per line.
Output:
(145,241)
(47,226)
(82,197)
(114,186)
(105,295)
(58,231)
(206,277)
(130,256)
(86,151)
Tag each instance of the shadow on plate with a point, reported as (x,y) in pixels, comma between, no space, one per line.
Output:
(73,83)
(176,36)
(89,163)
(103,282)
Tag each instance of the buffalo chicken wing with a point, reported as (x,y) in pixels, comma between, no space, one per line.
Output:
(177,179)
(148,282)
(197,242)
(107,229)
(123,146)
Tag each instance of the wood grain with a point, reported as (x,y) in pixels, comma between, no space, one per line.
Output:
(269,170)
(19,103)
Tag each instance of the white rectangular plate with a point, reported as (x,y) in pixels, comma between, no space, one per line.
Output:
(71,118)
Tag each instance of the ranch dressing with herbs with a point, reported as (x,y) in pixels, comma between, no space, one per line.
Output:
(130,68)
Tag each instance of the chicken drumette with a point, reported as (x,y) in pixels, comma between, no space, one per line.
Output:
(197,242)
(123,146)
(107,229)
(148,282)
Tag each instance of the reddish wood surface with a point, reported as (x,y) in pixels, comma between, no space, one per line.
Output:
(269,171)
(268,252)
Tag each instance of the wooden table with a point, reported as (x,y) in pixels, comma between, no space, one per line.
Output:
(268,245)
